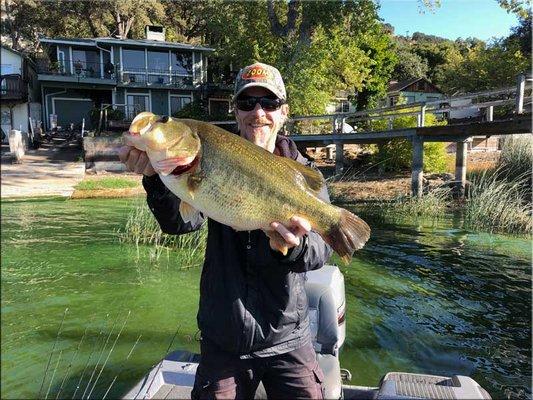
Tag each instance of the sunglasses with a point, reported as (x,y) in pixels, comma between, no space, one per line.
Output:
(267,103)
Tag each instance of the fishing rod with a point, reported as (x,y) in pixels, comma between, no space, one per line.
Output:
(52,352)
(53,374)
(161,362)
(71,362)
(99,357)
(91,354)
(120,367)
(109,354)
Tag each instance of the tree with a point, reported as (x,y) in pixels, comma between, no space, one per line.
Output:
(410,64)
(521,36)
(484,67)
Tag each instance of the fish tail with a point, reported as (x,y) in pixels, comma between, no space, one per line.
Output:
(349,234)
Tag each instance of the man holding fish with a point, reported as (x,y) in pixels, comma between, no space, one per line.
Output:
(269,221)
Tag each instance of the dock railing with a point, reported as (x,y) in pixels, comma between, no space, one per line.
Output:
(327,129)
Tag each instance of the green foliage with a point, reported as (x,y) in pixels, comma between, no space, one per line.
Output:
(396,155)
(193,110)
(484,67)
(410,64)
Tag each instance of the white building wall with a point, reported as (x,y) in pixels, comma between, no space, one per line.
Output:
(20,117)
(11,63)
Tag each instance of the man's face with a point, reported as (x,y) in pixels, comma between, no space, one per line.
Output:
(260,126)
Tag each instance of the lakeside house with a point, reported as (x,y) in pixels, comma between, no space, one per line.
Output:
(81,76)
(414,90)
(19,92)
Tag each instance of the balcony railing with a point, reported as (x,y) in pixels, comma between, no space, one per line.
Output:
(12,87)
(79,69)
(130,76)
(161,77)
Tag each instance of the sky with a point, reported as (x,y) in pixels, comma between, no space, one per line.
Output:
(482,19)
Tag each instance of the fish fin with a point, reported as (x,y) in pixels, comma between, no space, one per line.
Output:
(350,234)
(194,180)
(312,177)
(189,213)
(277,242)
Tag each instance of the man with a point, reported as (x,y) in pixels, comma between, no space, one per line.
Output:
(253,313)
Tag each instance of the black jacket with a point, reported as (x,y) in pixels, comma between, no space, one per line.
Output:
(252,299)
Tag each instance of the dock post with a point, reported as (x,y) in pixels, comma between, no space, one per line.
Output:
(339,158)
(422,116)
(417,174)
(460,169)
(520,89)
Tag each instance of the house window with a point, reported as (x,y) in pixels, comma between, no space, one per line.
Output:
(393,100)
(136,103)
(181,63)
(86,63)
(133,60)
(410,99)
(61,61)
(219,107)
(178,102)
(6,117)
(342,106)
(7,69)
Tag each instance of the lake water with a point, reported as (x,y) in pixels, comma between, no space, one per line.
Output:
(420,297)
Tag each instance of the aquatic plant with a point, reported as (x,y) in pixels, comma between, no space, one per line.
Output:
(143,230)
(433,204)
(497,204)
(516,157)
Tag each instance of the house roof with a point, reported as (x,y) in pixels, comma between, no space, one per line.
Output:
(22,55)
(397,86)
(128,42)
(12,50)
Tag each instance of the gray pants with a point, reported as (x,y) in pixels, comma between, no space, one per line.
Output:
(222,375)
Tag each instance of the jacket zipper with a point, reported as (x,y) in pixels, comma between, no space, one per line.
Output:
(248,248)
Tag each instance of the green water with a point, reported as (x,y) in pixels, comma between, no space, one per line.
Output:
(421,298)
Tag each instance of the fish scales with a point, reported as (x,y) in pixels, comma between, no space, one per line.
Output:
(255,183)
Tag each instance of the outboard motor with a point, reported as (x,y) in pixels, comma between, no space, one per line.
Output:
(327,308)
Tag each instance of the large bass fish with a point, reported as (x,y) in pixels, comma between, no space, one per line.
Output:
(238,183)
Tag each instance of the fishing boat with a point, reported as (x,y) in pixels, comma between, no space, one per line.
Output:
(173,377)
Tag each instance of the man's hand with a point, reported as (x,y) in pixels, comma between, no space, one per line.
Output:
(135,160)
(284,237)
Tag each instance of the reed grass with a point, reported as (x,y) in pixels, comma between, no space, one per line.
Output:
(516,157)
(433,205)
(142,229)
(498,203)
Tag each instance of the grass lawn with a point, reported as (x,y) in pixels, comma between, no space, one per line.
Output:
(108,182)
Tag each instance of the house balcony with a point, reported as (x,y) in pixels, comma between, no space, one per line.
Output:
(156,78)
(79,72)
(13,88)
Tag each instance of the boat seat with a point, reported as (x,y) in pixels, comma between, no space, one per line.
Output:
(325,335)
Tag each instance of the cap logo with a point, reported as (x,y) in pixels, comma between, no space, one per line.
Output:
(257,73)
